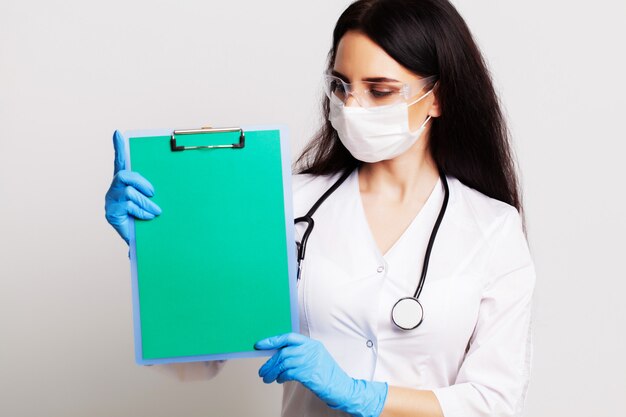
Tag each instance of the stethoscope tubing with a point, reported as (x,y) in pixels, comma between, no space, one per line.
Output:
(433,234)
(308,218)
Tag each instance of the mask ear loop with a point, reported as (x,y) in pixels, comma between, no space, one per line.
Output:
(419,129)
(429,91)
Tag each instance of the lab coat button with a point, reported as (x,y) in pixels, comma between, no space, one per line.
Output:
(380,269)
(369,343)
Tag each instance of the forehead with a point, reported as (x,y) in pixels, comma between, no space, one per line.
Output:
(358,57)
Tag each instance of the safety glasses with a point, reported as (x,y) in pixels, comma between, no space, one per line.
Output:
(372,94)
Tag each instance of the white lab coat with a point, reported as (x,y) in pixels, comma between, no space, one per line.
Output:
(473,349)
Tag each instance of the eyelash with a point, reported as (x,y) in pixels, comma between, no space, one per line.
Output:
(375,92)
(380,94)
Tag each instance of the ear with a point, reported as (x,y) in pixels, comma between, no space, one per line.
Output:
(435,110)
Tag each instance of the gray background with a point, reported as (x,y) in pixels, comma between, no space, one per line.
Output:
(73,71)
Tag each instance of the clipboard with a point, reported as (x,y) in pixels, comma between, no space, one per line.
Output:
(216,271)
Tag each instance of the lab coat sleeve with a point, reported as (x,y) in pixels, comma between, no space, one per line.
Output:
(191,371)
(494,375)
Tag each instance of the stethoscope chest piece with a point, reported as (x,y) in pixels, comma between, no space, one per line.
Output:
(407,313)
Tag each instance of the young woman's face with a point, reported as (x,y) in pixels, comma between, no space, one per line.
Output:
(359,59)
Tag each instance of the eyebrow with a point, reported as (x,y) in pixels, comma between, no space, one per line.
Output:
(369,79)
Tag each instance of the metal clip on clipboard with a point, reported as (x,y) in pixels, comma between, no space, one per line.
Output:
(241,144)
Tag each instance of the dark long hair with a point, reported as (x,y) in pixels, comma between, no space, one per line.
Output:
(470,140)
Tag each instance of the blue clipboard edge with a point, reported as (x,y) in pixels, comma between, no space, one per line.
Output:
(291,250)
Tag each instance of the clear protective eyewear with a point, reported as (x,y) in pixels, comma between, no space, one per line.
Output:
(373,93)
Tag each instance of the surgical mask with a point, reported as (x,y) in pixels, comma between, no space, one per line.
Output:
(376,133)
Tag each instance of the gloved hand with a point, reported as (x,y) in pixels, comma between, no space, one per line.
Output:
(128,194)
(307,361)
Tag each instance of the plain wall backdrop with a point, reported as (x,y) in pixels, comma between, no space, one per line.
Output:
(73,71)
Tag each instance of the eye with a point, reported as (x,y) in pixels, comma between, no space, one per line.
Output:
(383,91)
(380,93)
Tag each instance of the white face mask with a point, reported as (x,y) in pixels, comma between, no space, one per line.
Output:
(375,134)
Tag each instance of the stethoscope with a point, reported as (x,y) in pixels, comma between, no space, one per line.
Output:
(407,313)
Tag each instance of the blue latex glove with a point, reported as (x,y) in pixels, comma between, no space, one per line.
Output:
(307,361)
(128,194)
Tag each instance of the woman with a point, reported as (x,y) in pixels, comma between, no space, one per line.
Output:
(413,162)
